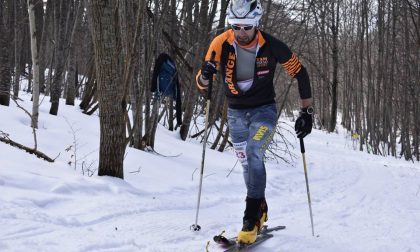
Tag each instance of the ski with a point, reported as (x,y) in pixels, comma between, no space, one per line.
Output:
(231,244)
(242,246)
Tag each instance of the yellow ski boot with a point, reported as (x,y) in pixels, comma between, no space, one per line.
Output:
(255,216)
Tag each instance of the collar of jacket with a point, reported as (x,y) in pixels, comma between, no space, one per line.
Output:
(231,38)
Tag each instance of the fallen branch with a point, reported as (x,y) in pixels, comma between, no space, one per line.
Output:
(5,139)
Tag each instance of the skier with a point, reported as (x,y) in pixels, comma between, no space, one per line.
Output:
(247,58)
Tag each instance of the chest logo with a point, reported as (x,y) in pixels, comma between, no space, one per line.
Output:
(263,72)
(262,62)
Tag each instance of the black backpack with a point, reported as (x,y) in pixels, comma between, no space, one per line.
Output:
(165,82)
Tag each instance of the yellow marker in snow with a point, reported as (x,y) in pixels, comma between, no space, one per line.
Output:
(355,136)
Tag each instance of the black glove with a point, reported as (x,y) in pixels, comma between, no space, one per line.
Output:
(303,124)
(208,69)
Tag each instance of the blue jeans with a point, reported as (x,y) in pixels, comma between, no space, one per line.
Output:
(251,131)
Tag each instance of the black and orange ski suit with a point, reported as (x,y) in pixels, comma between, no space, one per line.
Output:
(270,51)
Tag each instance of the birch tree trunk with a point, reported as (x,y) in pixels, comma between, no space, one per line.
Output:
(45,46)
(35,63)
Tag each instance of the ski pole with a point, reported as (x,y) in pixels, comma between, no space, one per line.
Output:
(302,150)
(195,226)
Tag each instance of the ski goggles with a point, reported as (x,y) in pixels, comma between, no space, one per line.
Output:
(245,27)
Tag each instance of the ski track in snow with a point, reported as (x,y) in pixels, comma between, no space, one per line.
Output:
(360,202)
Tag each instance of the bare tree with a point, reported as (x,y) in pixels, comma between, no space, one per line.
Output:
(335,19)
(35,62)
(6,10)
(72,79)
(109,63)
(60,11)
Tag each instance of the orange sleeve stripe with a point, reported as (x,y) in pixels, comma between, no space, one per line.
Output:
(200,84)
(292,66)
(290,61)
(197,79)
(293,73)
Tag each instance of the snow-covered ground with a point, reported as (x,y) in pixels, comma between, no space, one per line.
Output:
(360,202)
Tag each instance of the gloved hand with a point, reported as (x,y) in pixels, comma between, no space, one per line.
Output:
(303,124)
(208,69)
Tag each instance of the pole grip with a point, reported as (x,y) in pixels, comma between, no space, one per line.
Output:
(302,145)
(210,88)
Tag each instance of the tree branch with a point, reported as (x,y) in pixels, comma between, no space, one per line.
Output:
(4,137)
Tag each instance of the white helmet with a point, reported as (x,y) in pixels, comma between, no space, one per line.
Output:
(245,12)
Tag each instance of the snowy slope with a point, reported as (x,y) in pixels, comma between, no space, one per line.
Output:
(360,202)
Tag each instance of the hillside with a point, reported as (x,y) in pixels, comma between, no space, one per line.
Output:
(361,202)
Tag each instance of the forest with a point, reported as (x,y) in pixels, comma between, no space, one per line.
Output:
(362,57)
